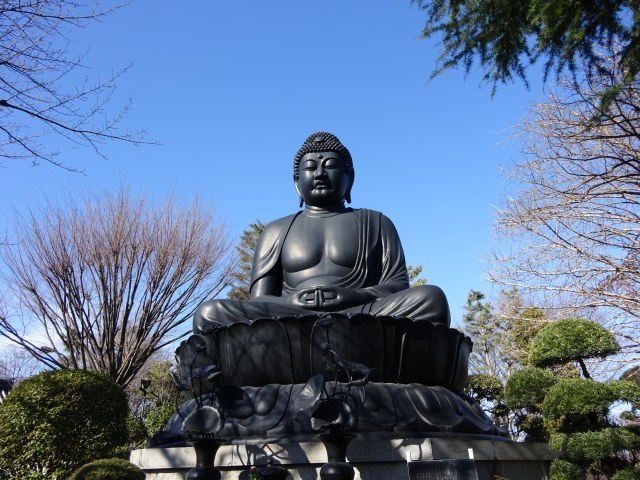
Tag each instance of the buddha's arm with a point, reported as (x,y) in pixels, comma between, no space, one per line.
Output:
(269,289)
(266,273)
(393,272)
(328,298)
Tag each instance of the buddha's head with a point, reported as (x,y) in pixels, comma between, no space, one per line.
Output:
(323,171)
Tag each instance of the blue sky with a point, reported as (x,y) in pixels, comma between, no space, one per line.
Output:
(231,89)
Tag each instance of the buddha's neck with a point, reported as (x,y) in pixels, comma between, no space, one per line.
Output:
(313,211)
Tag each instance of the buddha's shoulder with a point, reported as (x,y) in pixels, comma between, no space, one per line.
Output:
(280,223)
(275,231)
(373,214)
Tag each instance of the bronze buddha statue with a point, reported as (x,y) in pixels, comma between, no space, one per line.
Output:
(329,280)
(327,257)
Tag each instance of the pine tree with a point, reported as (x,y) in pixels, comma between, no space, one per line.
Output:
(246,249)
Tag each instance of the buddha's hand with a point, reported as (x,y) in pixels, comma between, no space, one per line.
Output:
(330,298)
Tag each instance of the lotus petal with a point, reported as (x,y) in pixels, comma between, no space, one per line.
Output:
(310,394)
(333,411)
(203,420)
(234,402)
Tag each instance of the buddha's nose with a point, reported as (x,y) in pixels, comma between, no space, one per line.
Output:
(319,172)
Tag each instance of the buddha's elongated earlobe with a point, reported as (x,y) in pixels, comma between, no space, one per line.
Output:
(347,194)
(295,184)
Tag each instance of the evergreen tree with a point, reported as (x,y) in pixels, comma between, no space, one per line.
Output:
(491,334)
(414,275)
(505,37)
(575,413)
(246,249)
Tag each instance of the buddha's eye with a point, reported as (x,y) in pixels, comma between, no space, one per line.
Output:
(309,165)
(331,163)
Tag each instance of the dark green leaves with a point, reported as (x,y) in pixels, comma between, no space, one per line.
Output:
(506,36)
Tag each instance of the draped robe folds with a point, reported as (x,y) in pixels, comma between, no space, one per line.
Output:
(380,269)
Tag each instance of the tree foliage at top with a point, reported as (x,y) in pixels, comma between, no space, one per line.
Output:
(108,279)
(40,94)
(505,36)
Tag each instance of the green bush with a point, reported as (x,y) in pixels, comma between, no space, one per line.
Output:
(563,470)
(632,473)
(533,427)
(587,447)
(484,386)
(571,339)
(136,432)
(626,391)
(54,422)
(578,404)
(527,388)
(108,469)
(156,419)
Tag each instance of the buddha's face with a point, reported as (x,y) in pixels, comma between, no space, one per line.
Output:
(323,179)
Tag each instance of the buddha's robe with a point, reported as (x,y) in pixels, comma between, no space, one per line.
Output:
(380,269)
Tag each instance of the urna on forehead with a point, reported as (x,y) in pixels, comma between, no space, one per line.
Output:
(322,142)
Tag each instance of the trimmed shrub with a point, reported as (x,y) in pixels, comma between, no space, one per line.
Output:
(632,473)
(108,469)
(587,447)
(533,427)
(563,470)
(54,422)
(527,388)
(136,432)
(484,386)
(626,391)
(571,339)
(578,404)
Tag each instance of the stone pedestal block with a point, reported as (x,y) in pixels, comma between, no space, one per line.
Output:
(373,459)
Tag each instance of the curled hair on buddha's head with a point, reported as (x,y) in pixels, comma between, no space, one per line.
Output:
(322,142)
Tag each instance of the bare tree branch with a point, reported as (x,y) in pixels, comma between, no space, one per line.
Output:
(109,280)
(40,94)
(571,229)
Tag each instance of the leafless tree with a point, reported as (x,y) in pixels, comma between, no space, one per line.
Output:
(16,363)
(106,280)
(41,89)
(571,229)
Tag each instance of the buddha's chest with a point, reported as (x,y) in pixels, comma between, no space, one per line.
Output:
(325,242)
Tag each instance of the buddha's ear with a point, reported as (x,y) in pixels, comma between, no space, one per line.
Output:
(347,194)
(295,183)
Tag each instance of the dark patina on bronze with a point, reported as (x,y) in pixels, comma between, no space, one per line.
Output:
(331,275)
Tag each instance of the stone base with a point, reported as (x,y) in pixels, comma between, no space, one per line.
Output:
(373,459)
